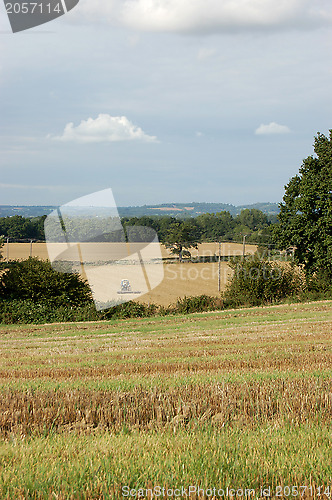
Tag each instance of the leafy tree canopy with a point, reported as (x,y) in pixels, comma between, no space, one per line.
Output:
(18,227)
(182,235)
(253,219)
(215,226)
(36,280)
(306,211)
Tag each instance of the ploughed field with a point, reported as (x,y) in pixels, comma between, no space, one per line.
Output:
(239,399)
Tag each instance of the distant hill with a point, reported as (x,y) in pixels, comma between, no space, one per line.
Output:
(267,208)
(25,210)
(184,210)
(180,210)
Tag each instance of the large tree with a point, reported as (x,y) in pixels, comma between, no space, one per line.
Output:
(181,236)
(306,211)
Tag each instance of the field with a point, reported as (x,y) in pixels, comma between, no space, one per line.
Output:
(24,250)
(186,279)
(231,399)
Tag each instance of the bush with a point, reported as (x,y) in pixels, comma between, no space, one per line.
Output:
(129,310)
(27,312)
(37,281)
(256,282)
(197,304)
(320,282)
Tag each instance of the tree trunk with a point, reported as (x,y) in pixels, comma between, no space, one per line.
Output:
(180,253)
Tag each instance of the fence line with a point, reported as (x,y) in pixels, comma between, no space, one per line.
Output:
(26,248)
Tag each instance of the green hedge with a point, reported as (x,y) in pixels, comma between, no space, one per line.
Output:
(66,298)
(27,311)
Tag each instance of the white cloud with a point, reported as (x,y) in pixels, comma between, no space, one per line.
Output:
(206,16)
(272,128)
(104,128)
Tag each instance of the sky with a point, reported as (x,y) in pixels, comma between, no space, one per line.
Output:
(164,101)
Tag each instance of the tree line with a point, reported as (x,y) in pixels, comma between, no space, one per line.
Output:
(22,228)
(253,223)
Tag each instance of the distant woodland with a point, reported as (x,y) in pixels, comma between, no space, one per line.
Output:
(221,226)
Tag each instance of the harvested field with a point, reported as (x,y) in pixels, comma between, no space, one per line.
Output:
(180,279)
(237,398)
(188,280)
(22,250)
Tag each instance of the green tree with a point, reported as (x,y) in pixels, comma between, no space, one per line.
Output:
(213,227)
(36,280)
(181,236)
(255,224)
(305,218)
(253,219)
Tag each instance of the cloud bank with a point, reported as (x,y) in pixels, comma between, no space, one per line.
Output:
(209,16)
(104,128)
(272,128)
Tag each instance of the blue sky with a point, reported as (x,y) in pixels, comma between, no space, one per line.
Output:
(164,100)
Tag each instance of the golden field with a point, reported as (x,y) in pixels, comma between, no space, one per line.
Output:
(180,279)
(100,250)
(188,280)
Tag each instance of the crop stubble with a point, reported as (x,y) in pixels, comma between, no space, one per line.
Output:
(234,398)
(260,365)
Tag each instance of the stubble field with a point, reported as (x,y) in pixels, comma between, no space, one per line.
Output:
(24,250)
(239,399)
